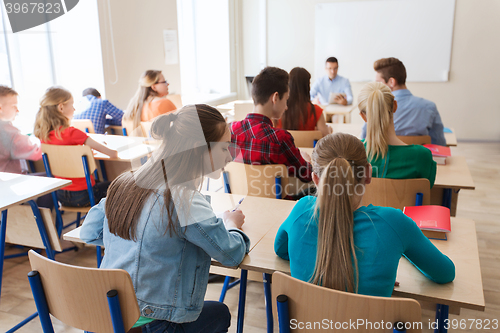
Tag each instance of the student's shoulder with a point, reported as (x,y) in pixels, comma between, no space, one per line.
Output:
(165,103)
(391,216)
(419,151)
(425,103)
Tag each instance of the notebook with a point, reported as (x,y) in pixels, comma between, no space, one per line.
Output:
(439,153)
(434,221)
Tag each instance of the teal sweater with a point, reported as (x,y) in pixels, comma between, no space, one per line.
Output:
(381,236)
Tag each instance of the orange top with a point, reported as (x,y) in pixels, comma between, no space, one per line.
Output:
(155,108)
(310,125)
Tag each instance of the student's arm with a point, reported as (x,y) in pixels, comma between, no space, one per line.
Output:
(281,241)
(102,148)
(322,126)
(419,250)
(91,230)
(436,131)
(348,92)
(227,246)
(114,112)
(363,132)
(21,147)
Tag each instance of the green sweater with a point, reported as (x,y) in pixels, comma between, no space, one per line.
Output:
(405,162)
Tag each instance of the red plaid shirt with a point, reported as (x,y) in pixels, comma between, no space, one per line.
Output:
(261,143)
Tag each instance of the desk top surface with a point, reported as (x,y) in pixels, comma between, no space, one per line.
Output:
(17,189)
(129,148)
(465,292)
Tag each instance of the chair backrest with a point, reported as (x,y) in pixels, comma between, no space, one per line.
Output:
(66,161)
(415,140)
(84,125)
(256,180)
(396,193)
(306,138)
(128,125)
(176,99)
(309,303)
(77,295)
(23,229)
(241,110)
(146,128)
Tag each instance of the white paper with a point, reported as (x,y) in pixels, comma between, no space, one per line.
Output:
(171,49)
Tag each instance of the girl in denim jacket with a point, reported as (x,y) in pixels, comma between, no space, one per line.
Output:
(156,225)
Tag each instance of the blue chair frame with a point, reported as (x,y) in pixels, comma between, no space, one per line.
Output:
(59,221)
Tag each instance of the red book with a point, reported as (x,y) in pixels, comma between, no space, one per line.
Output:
(439,153)
(439,150)
(434,221)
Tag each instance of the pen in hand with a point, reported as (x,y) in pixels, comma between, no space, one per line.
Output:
(238,205)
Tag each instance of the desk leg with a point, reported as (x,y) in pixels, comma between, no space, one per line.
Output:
(441,316)
(241,304)
(3,229)
(447,197)
(103,171)
(42,230)
(269,304)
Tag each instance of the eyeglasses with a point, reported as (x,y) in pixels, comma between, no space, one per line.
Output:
(160,82)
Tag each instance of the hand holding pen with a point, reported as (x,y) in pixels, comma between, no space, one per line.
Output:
(234,218)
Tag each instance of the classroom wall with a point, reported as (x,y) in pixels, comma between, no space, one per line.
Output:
(138,45)
(468,102)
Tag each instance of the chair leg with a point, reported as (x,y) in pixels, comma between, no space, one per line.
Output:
(241,304)
(283,315)
(115,311)
(3,230)
(40,301)
(441,315)
(224,289)
(269,304)
(99,256)
(78,218)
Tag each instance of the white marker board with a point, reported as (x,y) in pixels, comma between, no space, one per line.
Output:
(417,32)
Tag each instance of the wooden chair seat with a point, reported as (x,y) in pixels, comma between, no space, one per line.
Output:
(415,140)
(309,303)
(396,193)
(306,139)
(77,295)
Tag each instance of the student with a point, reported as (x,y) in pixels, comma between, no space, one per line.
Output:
(415,116)
(150,99)
(332,83)
(13,145)
(97,111)
(301,114)
(389,156)
(157,226)
(333,241)
(259,141)
(52,127)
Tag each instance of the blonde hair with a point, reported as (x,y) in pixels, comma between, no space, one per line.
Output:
(340,162)
(377,102)
(145,90)
(49,118)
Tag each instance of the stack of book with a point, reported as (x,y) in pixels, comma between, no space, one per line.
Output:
(434,221)
(439,153)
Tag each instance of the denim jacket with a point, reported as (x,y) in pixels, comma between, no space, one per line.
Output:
(169,272)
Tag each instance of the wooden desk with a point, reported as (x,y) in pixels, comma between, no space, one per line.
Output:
(17,189)
(132,153)
(466,291)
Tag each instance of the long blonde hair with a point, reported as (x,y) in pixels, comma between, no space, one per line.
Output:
(49,118)
(377,102)
(145,90)
(340,162)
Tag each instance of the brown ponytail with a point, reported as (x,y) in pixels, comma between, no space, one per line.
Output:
(340,162)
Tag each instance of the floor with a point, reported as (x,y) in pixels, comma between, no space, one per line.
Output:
(482,205)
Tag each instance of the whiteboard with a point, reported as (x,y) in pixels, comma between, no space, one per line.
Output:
(417,32)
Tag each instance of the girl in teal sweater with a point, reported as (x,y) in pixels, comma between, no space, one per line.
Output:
(335,242)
